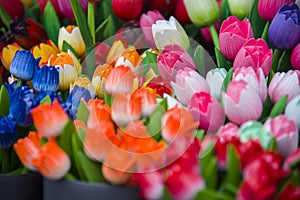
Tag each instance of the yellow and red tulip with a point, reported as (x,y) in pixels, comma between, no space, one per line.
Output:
(44,51)
(8,54)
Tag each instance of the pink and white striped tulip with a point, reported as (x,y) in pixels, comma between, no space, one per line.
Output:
(207,110)
(241,102)
(187,83)
(233,34)
(292,110)
(285,132)
(256,54)
(215,78)
(256,79)
(284,83)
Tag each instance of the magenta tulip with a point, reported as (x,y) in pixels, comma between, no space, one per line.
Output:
(66,8)
(285,132)
(241,102)
(256,54)
(284,83)
(146,22)
(207,110)
(267,9)
(233,34)
(187,83)
(295,57)
(172,59)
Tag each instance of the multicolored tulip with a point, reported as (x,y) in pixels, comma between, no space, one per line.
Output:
(284,83)
(172,59)
(85,83)
(285,132)
(202,12)
(160,86)
(66,8)
(207,110)
(23,65)
(49,120)
(44,51)
(45,78)
(256,54)
(8,133)
(240,8)
(284,30)
(241,102)
(215,78)
(27,149)
(146,22)
(100,74)
(292,110)
(130,58)
(169,33)
(295,57)
(52,162)
(71,34)
(8,53)
(233,34)
(120,9)
(268,9)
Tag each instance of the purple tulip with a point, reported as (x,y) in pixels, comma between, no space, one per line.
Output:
(146,22)
(241,102)
(187,83)
(66,8)
(285,132)
(207,110)
(284,30)
(295,57)
(267,9)
(284,83)
(233,34)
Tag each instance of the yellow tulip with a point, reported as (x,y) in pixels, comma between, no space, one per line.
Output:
(8,54)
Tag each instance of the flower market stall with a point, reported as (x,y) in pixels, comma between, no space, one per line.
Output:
(150,99)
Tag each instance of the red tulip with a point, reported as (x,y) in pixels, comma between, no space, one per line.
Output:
(290,192)
(164,6)
(180,12)
(13,7)
(42,5)
(127,9)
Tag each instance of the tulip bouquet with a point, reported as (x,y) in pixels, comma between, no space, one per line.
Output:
(185,99)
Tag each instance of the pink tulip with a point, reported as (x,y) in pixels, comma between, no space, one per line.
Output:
(285,132)
(256,79)
(187,83)
(284,83)
(241,102)
(146,22)
(66,8)
(172,59)
(292,110)
(207,110)
(228,131)
(295,57)
(256,54)
(267,9)
(215,78)
(292,159)
(233,34)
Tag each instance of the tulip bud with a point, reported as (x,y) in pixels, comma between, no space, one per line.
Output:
(268,9)
(233,34)
(207,110)
(240,8)
(120,8)
(284,83)
(241,102)
(295,57)
(285,132)
(169,33)
(284,30)
(202,12)
(255,54)
(215,78)
(292,110)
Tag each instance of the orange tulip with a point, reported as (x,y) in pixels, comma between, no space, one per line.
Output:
(130,58)
(44,51)
(114,176)
(49,120)
(52,162)
(8,53)
(27,149)
(100,113)
(147,98)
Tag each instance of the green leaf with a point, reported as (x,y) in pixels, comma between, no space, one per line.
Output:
(200,134)
(82,112)
(209,171)
(108,99)
(6,19)
(4,101)
(279,107)
(64,140)
(210,194)
(227,80)
(51,22)
(233,175)
(284,63)
(91,169)
(256,21)
(203,60)
(151,60)
(82,23)
(221,60)
(106,29)
(46,99)
(224,11)
(66,46)
(273,145)
(267,106)
(1,81)
(76,148)
(166,194)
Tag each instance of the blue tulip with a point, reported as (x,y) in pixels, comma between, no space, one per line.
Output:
(74,99)
(23,64)
(8,134)
(22,100)
(284,31)
(45,78)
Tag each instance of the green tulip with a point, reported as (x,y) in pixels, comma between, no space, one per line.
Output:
(240,8)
